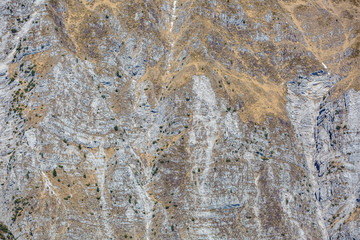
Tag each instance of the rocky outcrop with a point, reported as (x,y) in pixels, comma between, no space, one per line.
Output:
(179,120)
(321,126)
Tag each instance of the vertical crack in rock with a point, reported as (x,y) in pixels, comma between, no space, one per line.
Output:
(171,38)
(304,97)
(173,16)
(142,192)
(202,137)
(101,174)
(256,206)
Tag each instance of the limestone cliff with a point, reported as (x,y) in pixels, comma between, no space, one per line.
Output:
(179,119)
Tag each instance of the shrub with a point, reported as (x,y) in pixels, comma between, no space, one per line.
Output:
(13,30)
(116,128)
(3,228)
(54,173)
(155,171)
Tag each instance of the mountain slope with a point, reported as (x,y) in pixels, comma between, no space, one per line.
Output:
(179,119)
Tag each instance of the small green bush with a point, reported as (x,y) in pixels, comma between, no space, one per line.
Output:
(3,228)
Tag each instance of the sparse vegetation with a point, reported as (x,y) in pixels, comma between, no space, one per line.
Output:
(155,171)
(3,228)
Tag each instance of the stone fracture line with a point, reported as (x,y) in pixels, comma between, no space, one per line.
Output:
(172,42)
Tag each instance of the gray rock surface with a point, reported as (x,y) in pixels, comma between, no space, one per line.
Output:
(179,120)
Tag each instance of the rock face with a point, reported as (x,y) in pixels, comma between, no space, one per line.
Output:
(179,119)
